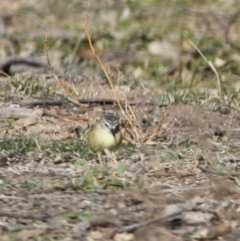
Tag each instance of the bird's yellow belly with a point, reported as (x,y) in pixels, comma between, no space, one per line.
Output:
(100,139)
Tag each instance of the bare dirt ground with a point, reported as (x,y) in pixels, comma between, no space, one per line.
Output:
(183,184)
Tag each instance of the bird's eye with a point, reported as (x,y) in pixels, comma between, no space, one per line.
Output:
(107,124)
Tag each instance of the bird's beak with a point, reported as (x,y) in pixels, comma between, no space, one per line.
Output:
(113,131)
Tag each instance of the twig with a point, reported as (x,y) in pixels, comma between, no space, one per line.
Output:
(62,85)
(209,62)
(52,102)
(104,223)
(157,129)
(45,102)
(163,219)
(180,189)
(211,171)
(2,197)
(24,216)
(101,64)
(7,63)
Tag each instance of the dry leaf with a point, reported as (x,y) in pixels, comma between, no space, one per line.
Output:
(124,237)
(26,234)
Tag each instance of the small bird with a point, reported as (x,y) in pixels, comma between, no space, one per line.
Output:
(105,135)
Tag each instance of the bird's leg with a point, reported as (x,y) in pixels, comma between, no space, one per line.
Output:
(100,159)
(110,155)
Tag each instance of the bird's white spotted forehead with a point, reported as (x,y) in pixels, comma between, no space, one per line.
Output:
(110,121)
